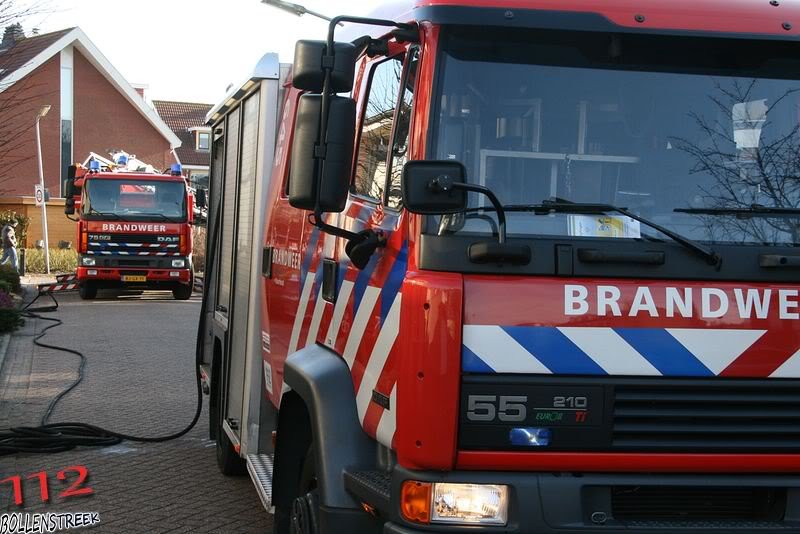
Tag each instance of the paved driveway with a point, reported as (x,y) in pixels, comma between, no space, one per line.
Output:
(139,380)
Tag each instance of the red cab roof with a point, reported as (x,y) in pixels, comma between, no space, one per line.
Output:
(776,17)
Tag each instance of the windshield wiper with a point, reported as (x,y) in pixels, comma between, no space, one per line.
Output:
(114,216)
(753,210)
(561,205)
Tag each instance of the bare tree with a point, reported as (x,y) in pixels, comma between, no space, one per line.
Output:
(19,101)
(756,162)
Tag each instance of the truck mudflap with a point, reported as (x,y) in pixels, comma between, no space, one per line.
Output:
(621,502)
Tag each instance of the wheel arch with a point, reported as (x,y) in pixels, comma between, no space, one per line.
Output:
(322,389)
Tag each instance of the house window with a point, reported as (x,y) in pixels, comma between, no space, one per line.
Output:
(203,141)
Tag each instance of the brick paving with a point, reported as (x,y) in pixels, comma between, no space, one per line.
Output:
(139,379)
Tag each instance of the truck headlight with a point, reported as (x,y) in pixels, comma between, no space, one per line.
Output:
(465,504)
(88,261)
(179,263)
(484,504)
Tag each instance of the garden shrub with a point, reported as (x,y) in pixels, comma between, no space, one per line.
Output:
(61,260)
(10,276)
(10,317)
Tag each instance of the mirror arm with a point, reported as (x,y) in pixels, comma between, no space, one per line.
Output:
(320,150)
(372,239)
(316,220)
(443,184)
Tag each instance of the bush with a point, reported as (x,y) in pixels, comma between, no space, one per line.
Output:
(10,277)
(61,260)
(10,317)
(22,228)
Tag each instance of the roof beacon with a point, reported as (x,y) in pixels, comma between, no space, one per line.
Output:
(175,169)
(94,166)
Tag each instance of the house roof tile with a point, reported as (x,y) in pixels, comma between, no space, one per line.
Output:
(180,116)
(26,49)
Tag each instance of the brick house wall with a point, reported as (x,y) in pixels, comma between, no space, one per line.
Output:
(104,120)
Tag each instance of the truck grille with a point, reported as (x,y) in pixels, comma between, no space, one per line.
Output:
(688,503)
(712,416)
(134,244)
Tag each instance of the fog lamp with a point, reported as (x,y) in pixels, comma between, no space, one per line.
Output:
(175,274)
(483,504)
(92,272)
(88,261)
(178,263)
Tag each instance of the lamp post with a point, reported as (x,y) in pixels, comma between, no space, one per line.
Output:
(295,9)
(42,113)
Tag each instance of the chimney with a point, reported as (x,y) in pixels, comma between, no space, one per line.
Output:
(141,88)
(12,35)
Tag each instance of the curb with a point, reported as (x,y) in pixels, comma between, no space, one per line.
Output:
(5,339)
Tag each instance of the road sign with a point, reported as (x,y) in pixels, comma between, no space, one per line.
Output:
(38,194)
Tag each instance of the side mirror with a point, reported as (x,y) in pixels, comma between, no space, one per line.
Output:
(201,198)
(69,206)
(427,187)
(334,182)
(307,71)
(440,188)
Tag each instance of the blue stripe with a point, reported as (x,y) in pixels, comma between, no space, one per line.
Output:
(471,363)
(664,351)
(394,281)
(554,350)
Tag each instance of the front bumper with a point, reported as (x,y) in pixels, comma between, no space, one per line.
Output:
(106,277)
(582,502)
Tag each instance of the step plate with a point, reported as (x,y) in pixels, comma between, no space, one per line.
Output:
(260,468)
(372,487)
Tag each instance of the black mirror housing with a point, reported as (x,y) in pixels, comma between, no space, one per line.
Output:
(307,71)
(335,180)
(69,206)
(421,196)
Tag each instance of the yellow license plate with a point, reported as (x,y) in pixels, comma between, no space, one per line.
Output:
(133,278)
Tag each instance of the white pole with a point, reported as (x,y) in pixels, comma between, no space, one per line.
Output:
(41,114)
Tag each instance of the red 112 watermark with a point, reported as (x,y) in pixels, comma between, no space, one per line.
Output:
(73,477)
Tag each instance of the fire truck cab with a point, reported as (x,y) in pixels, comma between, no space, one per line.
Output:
(134,229)
(515,266)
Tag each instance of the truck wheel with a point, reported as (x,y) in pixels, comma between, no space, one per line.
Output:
(301,517)
(87,291)
(182,292)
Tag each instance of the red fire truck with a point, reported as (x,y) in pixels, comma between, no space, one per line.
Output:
(134,229)
(514,266)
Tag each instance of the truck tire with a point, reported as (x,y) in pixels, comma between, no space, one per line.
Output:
(87,291)
(302,516)
(183,292)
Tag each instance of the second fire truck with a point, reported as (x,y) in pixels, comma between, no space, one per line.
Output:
(134,229)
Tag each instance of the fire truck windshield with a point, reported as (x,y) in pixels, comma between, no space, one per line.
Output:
(134,199)
(688,132)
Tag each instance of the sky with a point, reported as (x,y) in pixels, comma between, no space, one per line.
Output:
(188,50)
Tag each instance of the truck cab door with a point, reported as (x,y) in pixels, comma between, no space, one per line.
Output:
(365,314)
